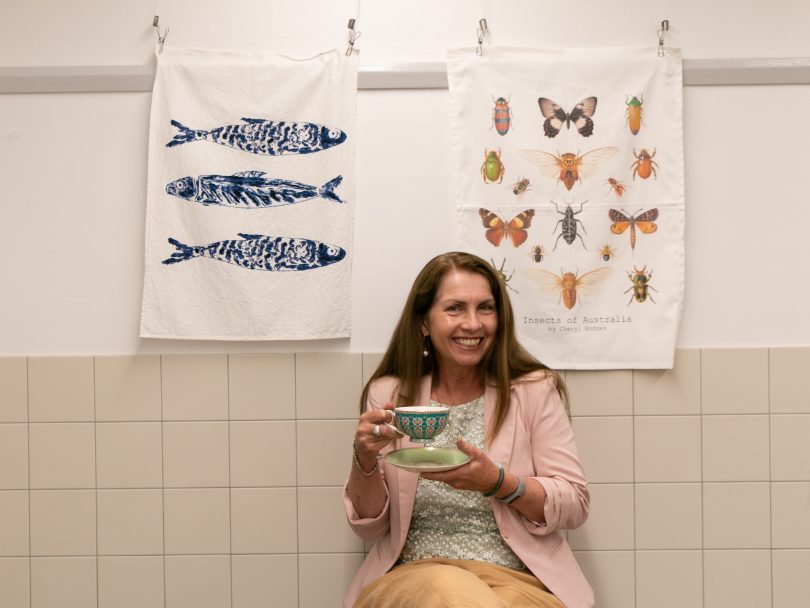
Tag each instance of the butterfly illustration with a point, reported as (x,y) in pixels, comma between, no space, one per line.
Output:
(515,229)
(645,222)
(568,168)
(556,117)
(569,284)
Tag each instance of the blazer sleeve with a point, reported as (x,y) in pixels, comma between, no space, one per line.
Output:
(555,460)
(369,528)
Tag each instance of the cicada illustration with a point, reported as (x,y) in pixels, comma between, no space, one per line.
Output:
(569,168)
(569,285)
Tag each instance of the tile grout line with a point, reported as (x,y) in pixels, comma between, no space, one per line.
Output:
(162,476)
(230,472)
(770,474)
(702,493)
(28,445)
(635,509)
(95,474)
(295,446)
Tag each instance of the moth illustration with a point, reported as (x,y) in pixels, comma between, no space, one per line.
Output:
(569,168)
(556,117)
(569,284)
(516,228)
(622,220)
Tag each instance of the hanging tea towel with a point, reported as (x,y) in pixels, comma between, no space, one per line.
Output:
(250,196)
(569,180)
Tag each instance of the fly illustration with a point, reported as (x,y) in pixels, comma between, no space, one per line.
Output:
(250,190)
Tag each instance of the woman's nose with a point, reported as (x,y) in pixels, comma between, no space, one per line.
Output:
(472,320)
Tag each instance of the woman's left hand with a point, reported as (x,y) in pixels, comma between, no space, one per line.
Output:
(478,475)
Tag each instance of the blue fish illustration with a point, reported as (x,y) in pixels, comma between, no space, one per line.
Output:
(261,136)
(261,252)
(250,190)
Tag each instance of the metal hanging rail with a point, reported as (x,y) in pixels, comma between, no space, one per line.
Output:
(423,75)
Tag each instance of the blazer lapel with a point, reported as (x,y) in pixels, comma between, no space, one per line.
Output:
(500,449)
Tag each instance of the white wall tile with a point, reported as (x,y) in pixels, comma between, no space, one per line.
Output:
(790,580)
(198,581)
(669,392)
(790,382)
(13,523)
(13,456)
(322,525)
(62,455)
(605,447)
(62,582)
(370,363)
(612,576)
(60,389)
(128,388)
(264,520)
(195,387)
(130,522)
(328,385)
(734,381)
(790,447)
(261,387)
(611,520)
(14,582)
(668,516)
(324,451)
(63,522)
(324,579)
(195,454)
(790,504)
(129,455)
(737,579)
(13,389)
(735,448)
(196,521)
(736,515)
(130,582)
(667,448)
(262,453)
(600,393)
(261,581)
(669,579)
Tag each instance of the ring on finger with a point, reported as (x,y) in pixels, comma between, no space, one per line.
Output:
(376,430)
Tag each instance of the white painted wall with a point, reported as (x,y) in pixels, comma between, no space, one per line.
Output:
(72,166)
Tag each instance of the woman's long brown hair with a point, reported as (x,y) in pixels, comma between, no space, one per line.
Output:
(506,361)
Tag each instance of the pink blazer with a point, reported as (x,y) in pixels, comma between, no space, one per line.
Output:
(535,441)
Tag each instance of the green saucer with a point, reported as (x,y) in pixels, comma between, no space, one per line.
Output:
(427,460)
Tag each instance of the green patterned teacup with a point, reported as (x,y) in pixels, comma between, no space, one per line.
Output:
(421,422)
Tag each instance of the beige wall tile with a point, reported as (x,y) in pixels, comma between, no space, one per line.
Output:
(14,582)
(790,382)
(130,582)
(737,579)
(59,582)
(196,521)
(735,381)
(659,573)
(324,579)
(735,448)
(790,503)
(129,455)
(328,385)
(600,393)
(324,451)
(668,516)
(60,389)
(262,453)
(63,522)
(370,363)
(263,520)
(669,392)
(736,515)
(790,447)
(667,448)
(13,456)
(322,526)
(195,454)
(13,523)
(195,387)
(791,585)
(612,576)
(128,388)
(261,581)
(605,446)
(201,581)
(13,389)
(130,522)
(261,387)
(62,455)
(610,523)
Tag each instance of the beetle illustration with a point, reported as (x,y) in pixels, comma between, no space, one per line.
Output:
(502,116)
(492,169)
(520,187)
(570,224)
(569,284)
(537,253)
(607,253)
(641,285)
(616,186)
(634,114)
(644,165)
(568,168)
(502,274)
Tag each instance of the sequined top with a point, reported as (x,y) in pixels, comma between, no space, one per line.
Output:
(457,524)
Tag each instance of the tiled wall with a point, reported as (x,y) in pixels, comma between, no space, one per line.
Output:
(214,481)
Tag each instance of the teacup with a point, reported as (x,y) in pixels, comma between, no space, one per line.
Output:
(421,422)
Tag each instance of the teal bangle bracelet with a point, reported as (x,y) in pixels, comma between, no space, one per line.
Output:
(516,494)
(497,486)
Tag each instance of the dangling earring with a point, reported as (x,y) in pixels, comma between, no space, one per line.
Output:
(426,343)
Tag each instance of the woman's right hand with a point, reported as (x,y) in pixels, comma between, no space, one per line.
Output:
(369,445)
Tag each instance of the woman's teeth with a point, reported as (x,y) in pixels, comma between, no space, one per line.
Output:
(467,341)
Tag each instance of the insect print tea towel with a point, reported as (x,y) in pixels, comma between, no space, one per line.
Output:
(250,200)
(569,174)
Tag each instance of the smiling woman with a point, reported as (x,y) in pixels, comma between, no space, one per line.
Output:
(486,532)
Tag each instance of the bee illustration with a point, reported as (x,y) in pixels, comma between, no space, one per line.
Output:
(520,187)
(502,274)
(644,165)
(641,285)
(607,253)
(616,186)
(645,222)
(492,169)
(569,168)
(501,116)
(556,117)
(634,112)
(537,253)
(569,284)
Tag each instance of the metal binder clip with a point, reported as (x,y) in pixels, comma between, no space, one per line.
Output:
(161,37)
(481,32)
(661,34)
(353,36)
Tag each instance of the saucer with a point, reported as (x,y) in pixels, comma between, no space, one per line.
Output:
(427,460)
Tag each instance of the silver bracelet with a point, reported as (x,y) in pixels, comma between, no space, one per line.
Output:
(357,462)
(516,494)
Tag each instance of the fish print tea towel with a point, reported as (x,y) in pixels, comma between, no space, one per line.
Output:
(250,196)
(569,175)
